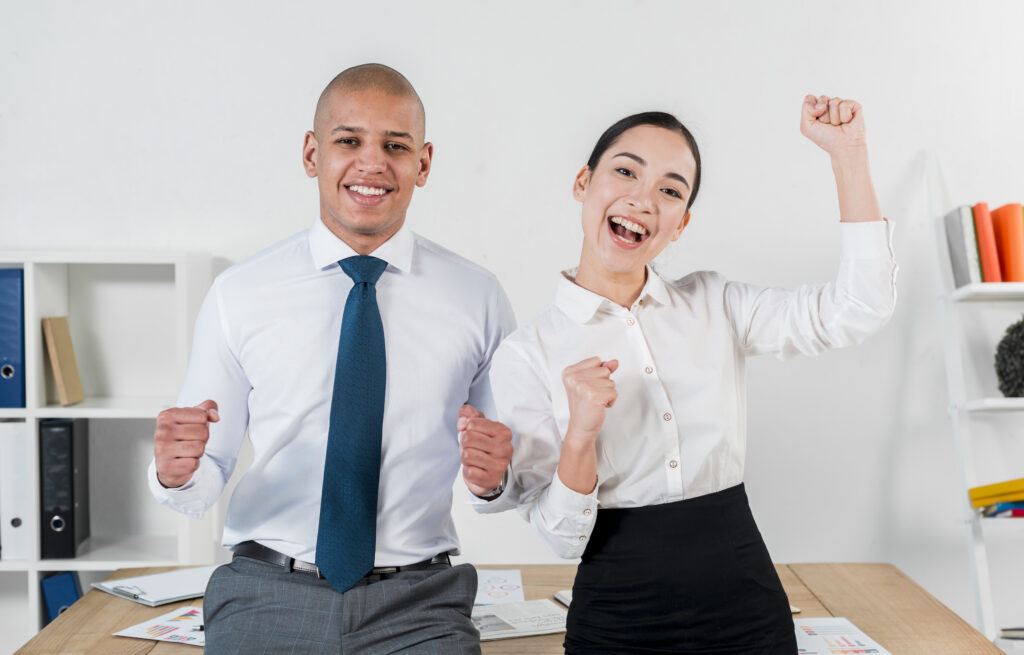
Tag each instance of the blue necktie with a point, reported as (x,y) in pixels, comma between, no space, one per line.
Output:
(346,540)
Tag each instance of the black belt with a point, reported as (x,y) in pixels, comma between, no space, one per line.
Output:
(259,551)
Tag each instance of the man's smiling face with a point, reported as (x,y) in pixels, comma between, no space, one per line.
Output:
(367,152)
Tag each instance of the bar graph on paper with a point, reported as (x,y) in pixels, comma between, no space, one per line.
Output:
(833,636)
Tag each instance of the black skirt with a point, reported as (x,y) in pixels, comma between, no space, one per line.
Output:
(692,576)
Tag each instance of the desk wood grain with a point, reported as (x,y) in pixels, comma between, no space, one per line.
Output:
(878,598)
(892,609)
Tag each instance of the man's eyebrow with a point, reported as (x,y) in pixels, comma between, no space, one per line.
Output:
(391,134)
(346,128)
(640,160)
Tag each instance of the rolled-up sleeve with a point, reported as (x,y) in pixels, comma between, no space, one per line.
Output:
(562,517)
(815,318)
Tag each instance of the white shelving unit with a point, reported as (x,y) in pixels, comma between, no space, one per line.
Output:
(975,317)
(131,315)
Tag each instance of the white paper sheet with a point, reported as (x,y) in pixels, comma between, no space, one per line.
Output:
(833,636)
(182,626)
(531,617)
(499,586)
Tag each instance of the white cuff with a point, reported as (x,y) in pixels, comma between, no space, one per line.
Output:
(186,499)
(866,240)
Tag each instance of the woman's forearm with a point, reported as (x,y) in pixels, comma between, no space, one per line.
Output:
(577,465)
(857,199)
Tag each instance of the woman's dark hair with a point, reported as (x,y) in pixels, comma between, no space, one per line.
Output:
(657,119)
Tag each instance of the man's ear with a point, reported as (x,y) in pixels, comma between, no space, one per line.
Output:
(579,187)
(426,156)
(682,225)
(309,154)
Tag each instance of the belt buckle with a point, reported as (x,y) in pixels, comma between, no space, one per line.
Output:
(384,570)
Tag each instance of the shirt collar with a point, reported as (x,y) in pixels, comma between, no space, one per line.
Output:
(581,304)
(328,249)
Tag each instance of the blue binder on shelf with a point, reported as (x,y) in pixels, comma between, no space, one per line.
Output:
(60,591)
(12,338)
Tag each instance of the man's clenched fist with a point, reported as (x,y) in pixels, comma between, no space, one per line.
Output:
(180,440)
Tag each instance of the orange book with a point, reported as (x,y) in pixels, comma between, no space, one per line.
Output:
(1008,222)
(986,244)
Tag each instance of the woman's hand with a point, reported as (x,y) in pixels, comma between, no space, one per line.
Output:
(834,124)
(591,392)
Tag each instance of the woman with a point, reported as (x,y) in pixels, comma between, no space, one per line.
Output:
(629,401)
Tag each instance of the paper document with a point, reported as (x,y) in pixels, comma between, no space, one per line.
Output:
(833,636)
(531,617)
(498,586)
(182,626)
(160,588)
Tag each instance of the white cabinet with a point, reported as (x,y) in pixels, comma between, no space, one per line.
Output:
(987,427)
(131,315)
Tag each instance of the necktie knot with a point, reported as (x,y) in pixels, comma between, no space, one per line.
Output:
(363,268)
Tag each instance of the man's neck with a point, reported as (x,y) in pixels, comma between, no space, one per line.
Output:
(362,244)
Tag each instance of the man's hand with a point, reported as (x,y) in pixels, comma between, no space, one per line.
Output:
(180,440)
(485,449)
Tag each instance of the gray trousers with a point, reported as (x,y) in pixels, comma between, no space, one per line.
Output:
(253,607)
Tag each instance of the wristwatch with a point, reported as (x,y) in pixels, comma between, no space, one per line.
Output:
(497,491)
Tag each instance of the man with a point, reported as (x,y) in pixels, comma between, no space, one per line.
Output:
(347,351)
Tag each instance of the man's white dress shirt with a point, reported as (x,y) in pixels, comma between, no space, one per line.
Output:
(678,428)
(265,346)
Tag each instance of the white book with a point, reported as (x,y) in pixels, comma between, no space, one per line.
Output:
(15,500)
(160,588)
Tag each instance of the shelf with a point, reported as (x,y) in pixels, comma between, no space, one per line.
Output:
(992,405)
(100,407)
(1014,645)
(109,407)
(147,257)
(131,315)
(991,291)
(108,554)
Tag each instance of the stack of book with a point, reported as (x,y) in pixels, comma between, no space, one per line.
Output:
(1003,499)
(986,246)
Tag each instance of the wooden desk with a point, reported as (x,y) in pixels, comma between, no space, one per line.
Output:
(878,598)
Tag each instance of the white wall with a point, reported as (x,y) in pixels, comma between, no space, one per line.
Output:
(179,125)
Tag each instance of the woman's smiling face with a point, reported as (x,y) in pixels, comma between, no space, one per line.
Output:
(635,199)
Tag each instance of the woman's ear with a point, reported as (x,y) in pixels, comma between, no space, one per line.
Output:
(579,187)
(682,225)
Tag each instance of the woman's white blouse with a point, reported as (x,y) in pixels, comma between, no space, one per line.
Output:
(678,428)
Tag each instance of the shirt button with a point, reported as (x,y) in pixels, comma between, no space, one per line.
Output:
(583,538)
(630,321)
(586,512)
(640,302)
(648,370)
(673,464)
(667,416)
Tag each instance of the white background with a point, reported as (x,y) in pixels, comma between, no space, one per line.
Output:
(129,124)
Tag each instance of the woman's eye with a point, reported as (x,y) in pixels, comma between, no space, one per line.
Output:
(624,171)
(672,192)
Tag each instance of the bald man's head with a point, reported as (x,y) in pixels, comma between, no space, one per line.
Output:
(376,77)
